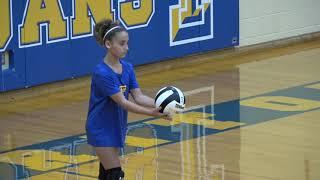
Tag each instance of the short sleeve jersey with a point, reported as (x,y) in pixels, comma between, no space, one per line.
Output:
(106,124)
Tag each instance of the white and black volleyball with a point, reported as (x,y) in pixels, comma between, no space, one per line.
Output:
(170,99)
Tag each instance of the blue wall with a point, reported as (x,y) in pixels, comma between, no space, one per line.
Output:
(212,27)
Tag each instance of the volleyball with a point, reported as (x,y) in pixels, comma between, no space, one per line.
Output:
(171,100)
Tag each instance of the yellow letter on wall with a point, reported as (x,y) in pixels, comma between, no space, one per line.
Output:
(6,23)
(43,13)
(135,14)
(86,12)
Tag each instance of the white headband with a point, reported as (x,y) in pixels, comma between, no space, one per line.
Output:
(105,35)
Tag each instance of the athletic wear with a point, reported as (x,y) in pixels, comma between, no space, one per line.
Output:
(106,124)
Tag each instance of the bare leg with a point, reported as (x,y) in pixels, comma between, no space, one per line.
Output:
(108,156)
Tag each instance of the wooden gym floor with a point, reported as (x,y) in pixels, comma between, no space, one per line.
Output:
(251,115)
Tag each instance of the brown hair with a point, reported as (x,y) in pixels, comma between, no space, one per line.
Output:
(102,27)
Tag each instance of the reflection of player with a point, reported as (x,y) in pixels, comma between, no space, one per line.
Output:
(143,163)
(112,81)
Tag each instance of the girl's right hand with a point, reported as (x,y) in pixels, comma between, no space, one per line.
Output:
(156,113)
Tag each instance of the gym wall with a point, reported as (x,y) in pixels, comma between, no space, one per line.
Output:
(44,41)
(269,20)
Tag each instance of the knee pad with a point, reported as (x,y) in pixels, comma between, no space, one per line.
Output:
(111,174)
(102,172)
(115,174)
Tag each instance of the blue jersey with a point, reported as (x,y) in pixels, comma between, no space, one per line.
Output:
(106,124)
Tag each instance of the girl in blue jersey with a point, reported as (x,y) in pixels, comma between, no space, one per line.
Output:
(112,81)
